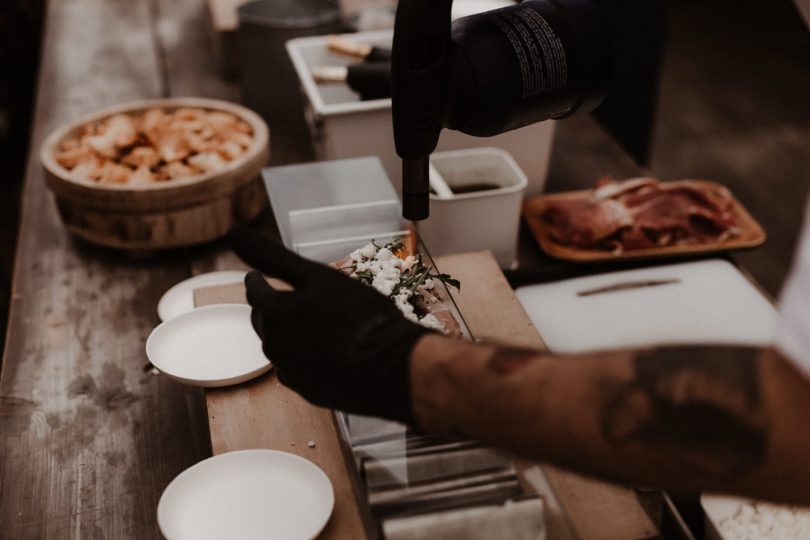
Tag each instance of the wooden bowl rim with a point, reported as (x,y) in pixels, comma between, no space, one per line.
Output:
(47,154)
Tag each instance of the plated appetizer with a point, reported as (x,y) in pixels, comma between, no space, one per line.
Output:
(402,276)
(643,213)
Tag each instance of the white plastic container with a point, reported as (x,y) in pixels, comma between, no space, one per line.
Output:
(477,220)
(326,210)
(343,126)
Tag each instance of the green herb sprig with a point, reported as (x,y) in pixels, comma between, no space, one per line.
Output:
(411,278)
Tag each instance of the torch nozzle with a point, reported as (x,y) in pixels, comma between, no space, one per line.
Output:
(416,188)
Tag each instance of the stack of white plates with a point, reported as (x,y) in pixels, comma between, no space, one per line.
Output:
(207,346)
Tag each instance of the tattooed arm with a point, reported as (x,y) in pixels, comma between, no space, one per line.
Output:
(695,418)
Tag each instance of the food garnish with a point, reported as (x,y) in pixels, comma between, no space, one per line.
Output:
(403,277)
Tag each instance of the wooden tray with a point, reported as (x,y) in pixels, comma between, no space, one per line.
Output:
(752,233)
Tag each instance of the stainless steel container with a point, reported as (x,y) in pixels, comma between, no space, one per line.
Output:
(269,83)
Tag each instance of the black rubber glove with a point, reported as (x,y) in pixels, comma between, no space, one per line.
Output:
(334,340)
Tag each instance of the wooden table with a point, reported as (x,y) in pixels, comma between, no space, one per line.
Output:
(265,414)
(88,440)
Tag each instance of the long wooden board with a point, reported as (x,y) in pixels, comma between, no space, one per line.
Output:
(264,414)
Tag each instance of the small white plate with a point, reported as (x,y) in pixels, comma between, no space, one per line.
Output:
(180,298)
(209,346)
(261,494)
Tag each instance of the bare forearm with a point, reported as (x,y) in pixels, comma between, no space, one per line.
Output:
(722,419)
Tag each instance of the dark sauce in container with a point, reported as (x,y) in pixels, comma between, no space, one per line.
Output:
(472,188)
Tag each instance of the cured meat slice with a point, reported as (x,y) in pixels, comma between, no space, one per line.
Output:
(607,189)
(586,222)
(643,213)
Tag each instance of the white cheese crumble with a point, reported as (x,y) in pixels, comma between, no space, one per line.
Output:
(385,270)
(386,276)
(761,521)
(366,252)
(384,254)
(402,301)
(430,321)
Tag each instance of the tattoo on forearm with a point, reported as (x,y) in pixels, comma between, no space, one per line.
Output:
(506,360)
(701,403)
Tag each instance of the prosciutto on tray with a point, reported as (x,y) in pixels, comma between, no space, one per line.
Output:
(413,286)
(643,213)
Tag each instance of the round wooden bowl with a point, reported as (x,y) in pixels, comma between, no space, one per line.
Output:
(173,213)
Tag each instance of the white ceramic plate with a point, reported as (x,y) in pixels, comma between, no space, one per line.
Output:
(180,298)
(261,494)
(209,346)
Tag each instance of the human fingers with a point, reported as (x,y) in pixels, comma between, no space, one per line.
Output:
(257,289)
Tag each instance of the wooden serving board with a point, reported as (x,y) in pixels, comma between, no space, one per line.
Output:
(751,233)
(265,414)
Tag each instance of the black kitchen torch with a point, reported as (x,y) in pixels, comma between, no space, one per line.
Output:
(489,73)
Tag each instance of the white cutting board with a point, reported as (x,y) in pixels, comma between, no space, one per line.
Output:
(712,303)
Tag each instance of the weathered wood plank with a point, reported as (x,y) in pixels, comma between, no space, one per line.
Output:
(88,441)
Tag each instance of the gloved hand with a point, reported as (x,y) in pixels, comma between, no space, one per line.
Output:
(335,341)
